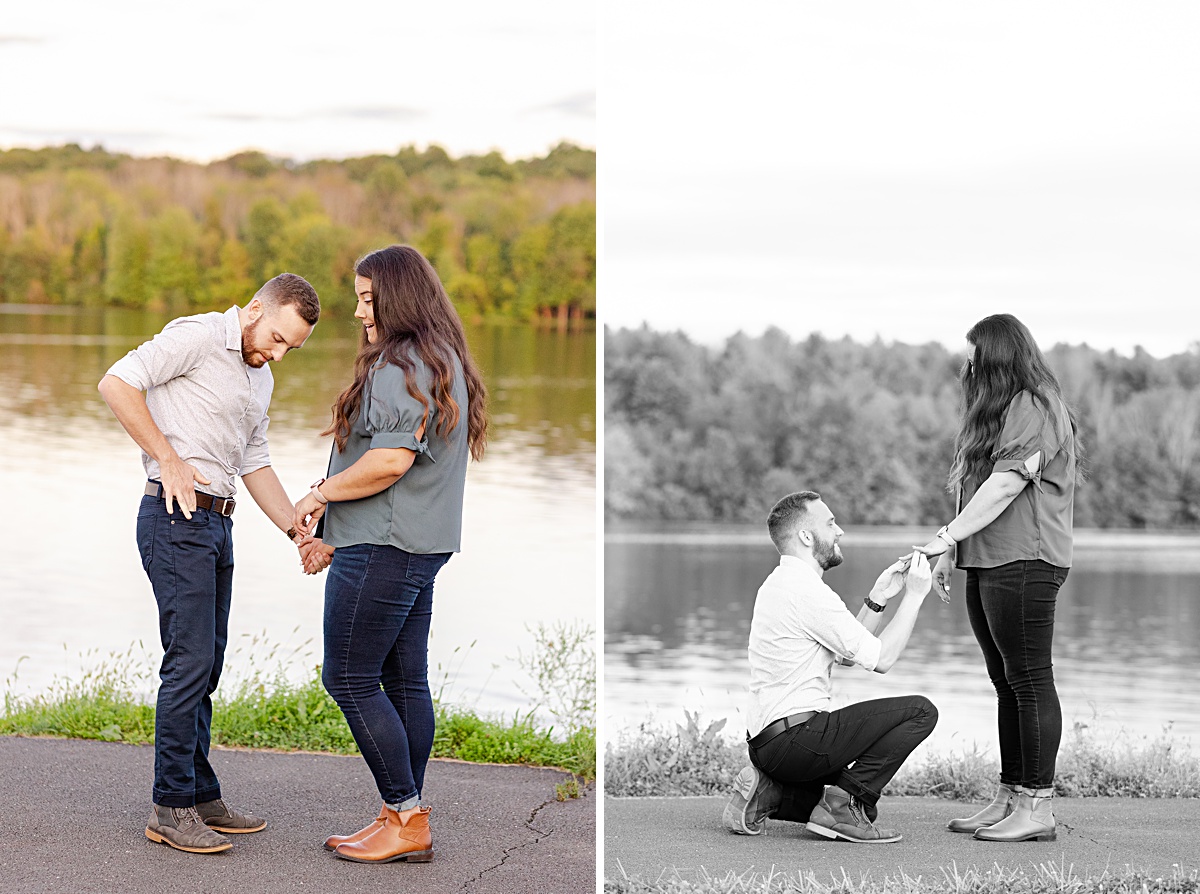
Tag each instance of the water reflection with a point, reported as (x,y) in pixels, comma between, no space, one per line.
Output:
(71,478)
(678,604)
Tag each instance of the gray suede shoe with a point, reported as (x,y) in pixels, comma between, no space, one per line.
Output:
(220,816)
(182,829)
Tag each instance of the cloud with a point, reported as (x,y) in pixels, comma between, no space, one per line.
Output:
(19,39)
(582,105)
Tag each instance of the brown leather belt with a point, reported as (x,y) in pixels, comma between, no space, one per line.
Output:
(783,724)
(220,505)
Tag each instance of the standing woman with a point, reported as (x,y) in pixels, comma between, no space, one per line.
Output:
(392,507)
(1015,462)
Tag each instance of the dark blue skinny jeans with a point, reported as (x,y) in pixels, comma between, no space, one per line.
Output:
(1011,609)
(190,566)
(378,605)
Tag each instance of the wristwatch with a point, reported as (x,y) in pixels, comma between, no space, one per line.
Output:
(873,606)
(316,492)
(944,533)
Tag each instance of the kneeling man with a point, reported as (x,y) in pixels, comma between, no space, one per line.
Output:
(799,629)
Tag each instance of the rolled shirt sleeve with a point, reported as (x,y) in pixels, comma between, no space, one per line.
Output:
(393,415)
(256,455)
(1027,430)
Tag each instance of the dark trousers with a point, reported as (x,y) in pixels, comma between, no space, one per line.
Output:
(1011,609)
(190,566)
(875,736)
(378,606)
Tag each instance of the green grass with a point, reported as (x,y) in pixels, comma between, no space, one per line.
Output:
(109,702)
(696,759)
(1046,878)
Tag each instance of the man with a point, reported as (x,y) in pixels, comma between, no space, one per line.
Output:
(202,421)
(799,629)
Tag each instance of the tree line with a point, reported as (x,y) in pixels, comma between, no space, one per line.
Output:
(720,433)
(511,240)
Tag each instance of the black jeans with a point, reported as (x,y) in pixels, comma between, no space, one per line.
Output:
(1011,609)
(190,566)
(876,737)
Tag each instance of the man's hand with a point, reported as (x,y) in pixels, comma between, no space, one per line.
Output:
(179,480)
(920,577)
(308,511)
(890,582)
(942,574)
(315,555)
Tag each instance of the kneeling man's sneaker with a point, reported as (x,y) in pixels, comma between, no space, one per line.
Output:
(182,829)
(220,816)
(755,797)
(841,815)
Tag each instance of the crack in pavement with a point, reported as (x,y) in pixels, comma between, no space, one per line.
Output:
(509,851)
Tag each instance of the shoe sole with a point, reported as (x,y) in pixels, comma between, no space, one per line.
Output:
(410,857)
(735,818)
(162,839)
(833,834)
(225,829)
(1052,835)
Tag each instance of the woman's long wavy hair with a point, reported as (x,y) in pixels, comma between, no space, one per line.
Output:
(414,314)
(1007,361)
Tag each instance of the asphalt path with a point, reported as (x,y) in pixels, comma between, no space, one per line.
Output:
(74,813)
(655,838)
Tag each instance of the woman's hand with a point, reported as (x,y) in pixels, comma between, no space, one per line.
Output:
(934,547)
(942,574)
(308,511)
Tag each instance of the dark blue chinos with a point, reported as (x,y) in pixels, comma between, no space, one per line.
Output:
(190,566)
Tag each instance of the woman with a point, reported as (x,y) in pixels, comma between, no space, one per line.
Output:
(1014,470)
(392,515)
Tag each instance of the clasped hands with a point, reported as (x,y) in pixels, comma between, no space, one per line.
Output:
(911,572)
(315,554)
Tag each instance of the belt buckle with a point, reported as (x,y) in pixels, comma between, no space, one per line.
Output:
(227,507)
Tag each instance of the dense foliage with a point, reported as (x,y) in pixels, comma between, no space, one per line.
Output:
(719,434)
(89,227)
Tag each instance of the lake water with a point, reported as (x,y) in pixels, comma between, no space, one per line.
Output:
(678,603)
(72,590)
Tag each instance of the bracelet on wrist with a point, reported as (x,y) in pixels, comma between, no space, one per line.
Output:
(872,605)
(291,533)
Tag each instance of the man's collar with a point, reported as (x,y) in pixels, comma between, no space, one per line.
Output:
(797,562)
(233,330)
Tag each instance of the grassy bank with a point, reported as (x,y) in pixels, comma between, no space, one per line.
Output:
(697,758)
(1046,878)
(269,711)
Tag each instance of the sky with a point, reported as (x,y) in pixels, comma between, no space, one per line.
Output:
(900,171)
(203,81)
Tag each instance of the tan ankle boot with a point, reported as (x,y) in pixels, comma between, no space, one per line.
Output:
(1032,819)
(1001,806)
(404,835)
(333,841)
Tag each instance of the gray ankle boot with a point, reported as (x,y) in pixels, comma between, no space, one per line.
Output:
(182,829)
(1001,806)
(1032,819)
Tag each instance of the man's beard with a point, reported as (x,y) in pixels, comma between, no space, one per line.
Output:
(826,553)
(250,356)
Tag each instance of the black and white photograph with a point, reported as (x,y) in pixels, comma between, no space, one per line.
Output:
(901,407)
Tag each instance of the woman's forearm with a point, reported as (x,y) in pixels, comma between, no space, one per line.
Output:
(377,470)
(992,498)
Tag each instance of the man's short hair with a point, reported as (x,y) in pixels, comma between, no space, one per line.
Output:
(786,514)
(288,289)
